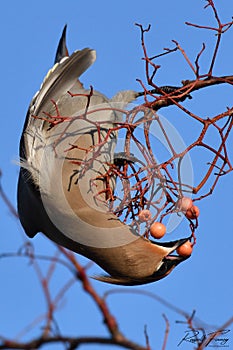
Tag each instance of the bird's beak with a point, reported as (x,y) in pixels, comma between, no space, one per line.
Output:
(171,247)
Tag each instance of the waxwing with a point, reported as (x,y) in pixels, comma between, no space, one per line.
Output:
(61,163)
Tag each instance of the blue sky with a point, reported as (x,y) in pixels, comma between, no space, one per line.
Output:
(29,35)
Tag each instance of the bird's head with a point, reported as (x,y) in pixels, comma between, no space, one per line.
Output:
(146,262)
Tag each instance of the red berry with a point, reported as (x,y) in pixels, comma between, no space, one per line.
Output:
(157,230)
(184,204)
(193,212)
(144,215)
(185,249)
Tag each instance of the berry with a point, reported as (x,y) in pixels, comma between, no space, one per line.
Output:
(193,212)
(185,249)
(184,204)
(144,215)
(157,230)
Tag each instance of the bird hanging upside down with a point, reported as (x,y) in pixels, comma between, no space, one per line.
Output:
(60,155)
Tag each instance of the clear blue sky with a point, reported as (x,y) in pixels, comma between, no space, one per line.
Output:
(29,35)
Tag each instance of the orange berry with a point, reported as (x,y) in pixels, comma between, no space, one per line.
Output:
(144,215)
(157,230)
(193,212)
(184,204)
(185,249)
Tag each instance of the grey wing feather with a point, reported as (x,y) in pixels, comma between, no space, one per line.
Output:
(58,81)
(61,78)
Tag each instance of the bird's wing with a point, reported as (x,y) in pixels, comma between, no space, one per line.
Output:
(61,78)
(58,81)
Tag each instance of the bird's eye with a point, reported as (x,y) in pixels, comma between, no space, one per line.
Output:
(164,269)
